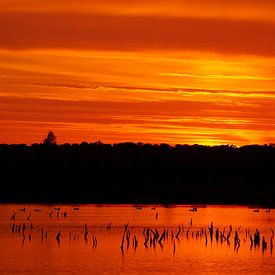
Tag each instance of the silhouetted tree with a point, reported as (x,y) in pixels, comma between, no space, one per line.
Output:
(50,139)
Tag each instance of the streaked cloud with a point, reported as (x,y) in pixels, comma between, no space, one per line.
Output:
(232,9)
(135,33)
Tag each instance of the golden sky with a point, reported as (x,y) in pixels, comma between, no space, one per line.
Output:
(200,71)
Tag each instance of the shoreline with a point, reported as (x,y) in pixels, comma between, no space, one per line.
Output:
(141,204)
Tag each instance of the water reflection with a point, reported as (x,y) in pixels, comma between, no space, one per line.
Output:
(135,239)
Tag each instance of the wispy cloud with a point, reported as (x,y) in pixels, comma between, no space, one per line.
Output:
(219,76)
(232,9)
(102,32)
(166,121)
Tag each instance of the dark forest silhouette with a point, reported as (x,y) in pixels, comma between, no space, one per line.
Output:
(137,173)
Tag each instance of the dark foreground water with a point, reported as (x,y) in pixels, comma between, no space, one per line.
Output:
(30,241)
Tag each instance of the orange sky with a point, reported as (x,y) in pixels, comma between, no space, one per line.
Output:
(151,71)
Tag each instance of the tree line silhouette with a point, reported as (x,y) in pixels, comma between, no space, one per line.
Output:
(137,173)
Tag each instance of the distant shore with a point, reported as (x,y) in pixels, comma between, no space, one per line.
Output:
(136,173)
(137,205)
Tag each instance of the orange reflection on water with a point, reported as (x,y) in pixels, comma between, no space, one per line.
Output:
(189,253)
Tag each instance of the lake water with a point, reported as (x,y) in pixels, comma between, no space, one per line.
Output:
(100,251)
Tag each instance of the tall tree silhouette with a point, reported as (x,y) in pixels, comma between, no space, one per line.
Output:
(50,139)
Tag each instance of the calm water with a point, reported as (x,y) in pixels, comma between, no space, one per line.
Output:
(192,252)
